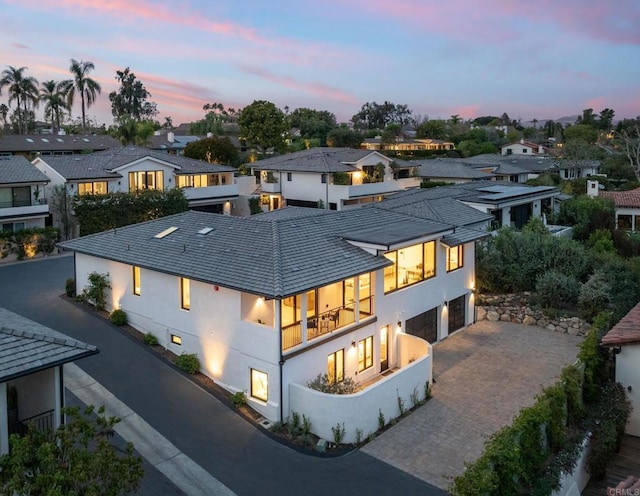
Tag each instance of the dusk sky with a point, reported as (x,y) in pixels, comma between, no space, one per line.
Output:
(543,59)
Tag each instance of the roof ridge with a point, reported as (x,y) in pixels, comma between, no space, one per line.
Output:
(50,339)
(277,259)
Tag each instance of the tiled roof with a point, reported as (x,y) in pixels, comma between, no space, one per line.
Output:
(626,331)
(17,169)
(449,169)
(629,199)
(101,164)
(319,160)
(55,143)
(27,347)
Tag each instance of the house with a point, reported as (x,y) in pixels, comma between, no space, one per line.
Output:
(31,381)
(450,171)
(33,145)
(624,338)
(522,147)
(407,145)
(23,203)
(333,178)
(206,186)
(271,301)
(627,205)
(169,142)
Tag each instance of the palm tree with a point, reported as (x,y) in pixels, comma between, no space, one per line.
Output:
(55,104)
(4,111)
(23,89)
(82,84)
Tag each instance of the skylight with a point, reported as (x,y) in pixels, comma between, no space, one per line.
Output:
(166,232)
(205,230)
(45,140)
(86,140)
(29,140)
(60,140)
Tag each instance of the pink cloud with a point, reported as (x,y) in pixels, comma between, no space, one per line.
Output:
(20,46)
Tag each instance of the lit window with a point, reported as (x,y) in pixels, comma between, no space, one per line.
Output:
(335,367)
(411,264)
(365,354)
(94,188)
(176,339)
(146,180)
(185,293)
(454,258)
(136,280)
(259,385)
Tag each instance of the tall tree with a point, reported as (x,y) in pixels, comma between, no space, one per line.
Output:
(133,132)
(4,112)
(379,116)
(53,97)
(605,121)
(131,98)
(263,125)
(81,84)
(23,90)
(216,150)
(342,136)
(628,139)
(434,129)
(313,123)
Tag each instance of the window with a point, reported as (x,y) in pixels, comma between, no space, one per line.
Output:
(146,180)
(454,258)
(365,354)
(185,293)
(93,188)
(259,385)
(524,150)
(200,180)
(15,197)
(335,366)
(175,339)
(411,265)
(509,151)
(136,280)
(323,179)
(289,176)
(13,226)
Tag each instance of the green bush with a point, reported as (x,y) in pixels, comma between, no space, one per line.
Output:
(239,399)
(323,384)
(118,317)
(150,339)
(95,292)
(595,296)
(70,287)
(555,289)
(188,362)
(254,205)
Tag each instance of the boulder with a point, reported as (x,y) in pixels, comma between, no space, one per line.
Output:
(550,327)
(481,313)
(529,320)
(493,316)
(505,317)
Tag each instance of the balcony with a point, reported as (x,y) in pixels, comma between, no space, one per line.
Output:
(211,193)
(42,422)
(270,187)
(361,410)
(19,208)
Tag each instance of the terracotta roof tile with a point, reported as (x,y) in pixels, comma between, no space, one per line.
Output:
(627,331)
(624,198)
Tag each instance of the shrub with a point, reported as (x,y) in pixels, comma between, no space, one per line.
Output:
(594,296)
(381,420)
(554,289)
(118,317)
(340,178)
(95,292)
(150,339)
(70,287)
(254,205)
(239,399)
(338,433)
(294,426)
(188,362)
(323,384)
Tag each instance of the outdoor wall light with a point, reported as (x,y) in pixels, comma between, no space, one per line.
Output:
(446,304)
(399,324)
(353,343)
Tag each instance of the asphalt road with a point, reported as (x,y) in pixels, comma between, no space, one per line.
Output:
(227,446)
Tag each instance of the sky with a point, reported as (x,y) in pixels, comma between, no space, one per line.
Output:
(539,59)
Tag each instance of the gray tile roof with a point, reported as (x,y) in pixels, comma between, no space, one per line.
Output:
(27,347)
(318,160)
(449,169)
(17,169)
(55,143)
(399,232)
(462,235)
(101,164)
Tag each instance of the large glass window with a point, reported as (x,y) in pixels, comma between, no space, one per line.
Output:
(335,366)
(454,258)
(411,265)
(259,385)
(136,280)
(200,180)
(185,293)
(291,310)
(93,188)
(146,180)
(365,353)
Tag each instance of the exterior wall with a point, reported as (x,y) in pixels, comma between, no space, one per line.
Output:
(305,186)
(145,165)
(628,374)
(574,483)
(633,212)
(36,393)
(361,410)
(4,420)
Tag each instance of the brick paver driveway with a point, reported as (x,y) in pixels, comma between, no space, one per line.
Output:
(484,376)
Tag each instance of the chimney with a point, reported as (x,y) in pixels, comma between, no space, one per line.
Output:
(592,188)
(522,141)
(170,136)
(209,135)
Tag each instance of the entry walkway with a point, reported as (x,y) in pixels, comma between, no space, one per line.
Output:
(484,376)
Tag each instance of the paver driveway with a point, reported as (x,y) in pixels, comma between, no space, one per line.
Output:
(484,376)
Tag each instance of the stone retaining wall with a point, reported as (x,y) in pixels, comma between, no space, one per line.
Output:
(514,308)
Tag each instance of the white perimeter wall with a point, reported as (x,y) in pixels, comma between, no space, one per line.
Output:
(628,374)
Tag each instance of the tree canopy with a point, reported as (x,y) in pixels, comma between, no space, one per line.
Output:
(215,150)
(82,85)
(263,125)
(313,123)
(342,136)
(379,116)
(131,98)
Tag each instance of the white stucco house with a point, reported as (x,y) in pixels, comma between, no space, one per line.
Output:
(23,202)
(627,205)
(209,187)
(522,147)
(271,301)
(624,337)
(32,357)
(336,178)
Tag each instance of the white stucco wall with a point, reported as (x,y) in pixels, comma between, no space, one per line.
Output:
(36,393)
(628,374)
(573,484)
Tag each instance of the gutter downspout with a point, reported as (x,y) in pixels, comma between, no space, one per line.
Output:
(281,362)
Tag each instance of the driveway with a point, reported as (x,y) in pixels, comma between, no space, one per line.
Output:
(484,376)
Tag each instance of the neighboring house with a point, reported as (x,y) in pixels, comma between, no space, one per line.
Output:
(271,301)
(335,178)
(407,145)
(627,205)
(23,203)
(31,381)
(206,186)
(170,142)
(522,147)
(32,145)
(624,338)
(451,171)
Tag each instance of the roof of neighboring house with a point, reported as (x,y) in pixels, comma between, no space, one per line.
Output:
(319,160)
(626,331)
(449,169)
(507,168)
(17,169)
(32,143)
(530,144)
(102,164)
(162,142)
(27,347)
(275,255)
(630,199)
(500,192)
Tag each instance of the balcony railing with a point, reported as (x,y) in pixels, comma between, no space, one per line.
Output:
(42,422)
(326,322)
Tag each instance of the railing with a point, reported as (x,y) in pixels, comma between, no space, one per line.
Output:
(291,335)
(15,203)
(42,422)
